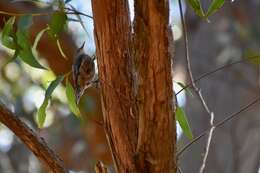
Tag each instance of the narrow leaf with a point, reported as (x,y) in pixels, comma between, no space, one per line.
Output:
(8,34)
(9,60)
(252,57)
(25,51)
(41,115)
(182,119)
(196,6)
(60,49)
(52,86)
(72,99)
(57,24)
(25,22)
(38,37)
(215,6)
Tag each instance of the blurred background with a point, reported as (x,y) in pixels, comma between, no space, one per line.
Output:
(232,32)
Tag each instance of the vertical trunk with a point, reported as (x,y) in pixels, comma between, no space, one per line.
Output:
(136,84)
(156,132)
(112,37)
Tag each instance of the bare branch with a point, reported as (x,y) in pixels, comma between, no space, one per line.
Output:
(217,125)
(70,11)
(35,143)
(196,89)
(216,70)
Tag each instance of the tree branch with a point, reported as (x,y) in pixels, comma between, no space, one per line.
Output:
(218,69)
(217,125)
(35,143)
(197,90)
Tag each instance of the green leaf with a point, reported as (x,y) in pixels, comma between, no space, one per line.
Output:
(25,51)
(182,119)
(9,60)
(41,115)
(52,86)
(185,88)
(23,39)
(7,38)
(72,99)
(57,24)
(25,22)
(60,49)
(215,6)
(252,57)
(196,6)
(38,37)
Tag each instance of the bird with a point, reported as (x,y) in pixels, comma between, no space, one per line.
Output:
(83,70)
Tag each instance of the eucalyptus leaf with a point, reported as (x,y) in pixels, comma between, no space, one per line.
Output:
(60,49)
(57,24)
(196,6)
(41,115)
(215,6)
(25,51)
(38,38)
(25,22)
(252,57)
(72,99)
(182,119)
(8,34)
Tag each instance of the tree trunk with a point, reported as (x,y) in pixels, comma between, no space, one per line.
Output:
(136,84)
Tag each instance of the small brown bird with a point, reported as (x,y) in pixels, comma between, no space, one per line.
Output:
(83,70)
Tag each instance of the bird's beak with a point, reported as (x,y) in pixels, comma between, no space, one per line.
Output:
(77,99)
(78,95)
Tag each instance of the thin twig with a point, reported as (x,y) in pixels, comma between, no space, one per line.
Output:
(74,11)
(216,70)
(179,169)
(196,89)
(70,11)
(21,14)
(217,125)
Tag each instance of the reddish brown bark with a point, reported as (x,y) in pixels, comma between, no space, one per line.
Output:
(112,31)
(36,144)
(136,84)
(156,133)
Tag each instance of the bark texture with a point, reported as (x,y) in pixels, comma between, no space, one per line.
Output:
(35,143)
(155,93)
(136,84)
